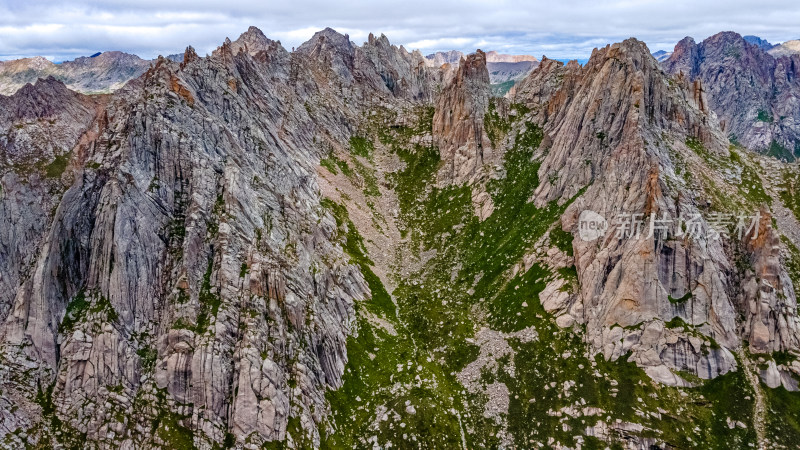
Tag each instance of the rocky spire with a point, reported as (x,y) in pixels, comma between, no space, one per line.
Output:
(458,121)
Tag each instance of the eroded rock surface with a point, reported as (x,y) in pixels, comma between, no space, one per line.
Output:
(173,277)
(755,93)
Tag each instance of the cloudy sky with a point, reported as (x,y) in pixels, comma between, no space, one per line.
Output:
(61,30)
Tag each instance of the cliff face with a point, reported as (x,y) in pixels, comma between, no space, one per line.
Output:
(41,125)
(458,128)
(756,94)
(619,133)
(180,265)
(343,247)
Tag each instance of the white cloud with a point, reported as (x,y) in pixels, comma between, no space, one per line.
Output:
(560,29)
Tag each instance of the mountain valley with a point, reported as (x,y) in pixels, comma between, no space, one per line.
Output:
(358,246)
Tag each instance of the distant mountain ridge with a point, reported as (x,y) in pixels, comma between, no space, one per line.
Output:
(754,92)
(788,48)
(439,58)
(662,55)
(454,56)
(99,73)
(758,42)
(495,57)
(505,70)
(105,72)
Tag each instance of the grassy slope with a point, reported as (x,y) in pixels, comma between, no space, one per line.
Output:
(436,320)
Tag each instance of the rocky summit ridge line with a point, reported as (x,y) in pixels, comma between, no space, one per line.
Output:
(754,90)
(346,246)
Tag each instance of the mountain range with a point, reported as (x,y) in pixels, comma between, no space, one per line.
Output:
(103,73)
(354,246)
(756,93)
(504,70)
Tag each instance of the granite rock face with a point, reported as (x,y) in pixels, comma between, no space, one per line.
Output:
(618,132)
(181,267)
(458,127)
(756,94)
(172,275)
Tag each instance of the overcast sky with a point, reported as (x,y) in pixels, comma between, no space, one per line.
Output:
(61,30)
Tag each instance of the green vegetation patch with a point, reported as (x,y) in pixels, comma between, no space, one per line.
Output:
(361,146)
(76,309)
(497,126)
(494,124)
(147,357)
(52,430)
(467,284)
(783,420)
(80,306)
(209,300)
(778,151)
(790,190)
(751,187)
(783,357)
(353,244)
(57,166)
(169,428)
(562,240)
(680,300)
(501,89)
(334,164)
(764,116)
(208,303)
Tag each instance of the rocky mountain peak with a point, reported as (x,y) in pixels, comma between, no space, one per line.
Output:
(472,69)
(614,107)
(103,73)
(622,94)
(726,37)
(34,63)
(758,42)
(683,57)
(106,59)
(43,99)
(458,127)
(631,49)
(381,41)
(661,55)
(253,41)
(750,90)
(189,55)
(331,50)
(327,39)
